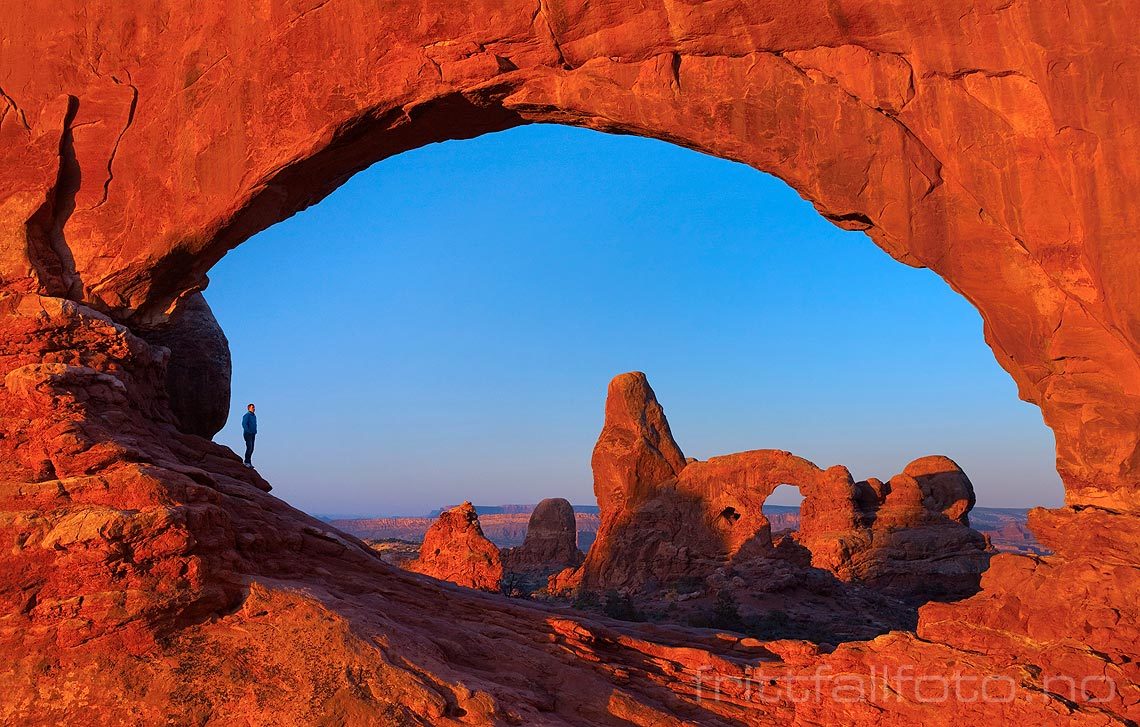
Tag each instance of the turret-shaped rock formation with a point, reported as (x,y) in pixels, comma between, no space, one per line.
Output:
(665,519)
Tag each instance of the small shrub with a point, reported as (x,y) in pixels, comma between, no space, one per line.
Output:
(688,584)
(725,613)
(778,625)
(587,601)
(514,586)
(772,625)
(621,607)
(699,621)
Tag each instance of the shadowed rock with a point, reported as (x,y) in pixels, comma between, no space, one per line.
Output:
(945,487)
(198,371)
(551,541)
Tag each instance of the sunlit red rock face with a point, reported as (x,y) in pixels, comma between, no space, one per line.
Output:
(993,142)
(665,519)
(455,550)
(978,138)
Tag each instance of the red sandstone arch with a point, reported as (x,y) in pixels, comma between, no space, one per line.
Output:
(991,141)
(144,143)
(665,519)
(743,481)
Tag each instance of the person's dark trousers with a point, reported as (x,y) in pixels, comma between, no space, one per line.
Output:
(249,446)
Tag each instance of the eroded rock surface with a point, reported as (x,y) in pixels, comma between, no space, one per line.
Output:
(198,371)
(681,523)
(993,142)
(455,550)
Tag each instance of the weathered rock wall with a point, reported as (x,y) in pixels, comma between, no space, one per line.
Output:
(991,141)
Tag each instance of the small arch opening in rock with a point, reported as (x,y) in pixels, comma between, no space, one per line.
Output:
(729,515)
(782,508)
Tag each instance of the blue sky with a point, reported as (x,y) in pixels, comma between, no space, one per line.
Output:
(443,327)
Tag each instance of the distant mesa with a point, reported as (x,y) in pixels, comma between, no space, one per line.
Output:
(504,530)
(512,509)
(455,549)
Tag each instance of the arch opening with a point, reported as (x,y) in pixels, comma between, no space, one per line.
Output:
(782,508)
(813,282)
(443,274)
(901,168)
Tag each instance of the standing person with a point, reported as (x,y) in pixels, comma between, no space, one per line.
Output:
(249,429)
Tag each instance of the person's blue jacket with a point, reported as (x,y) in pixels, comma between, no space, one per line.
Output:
(249,423)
